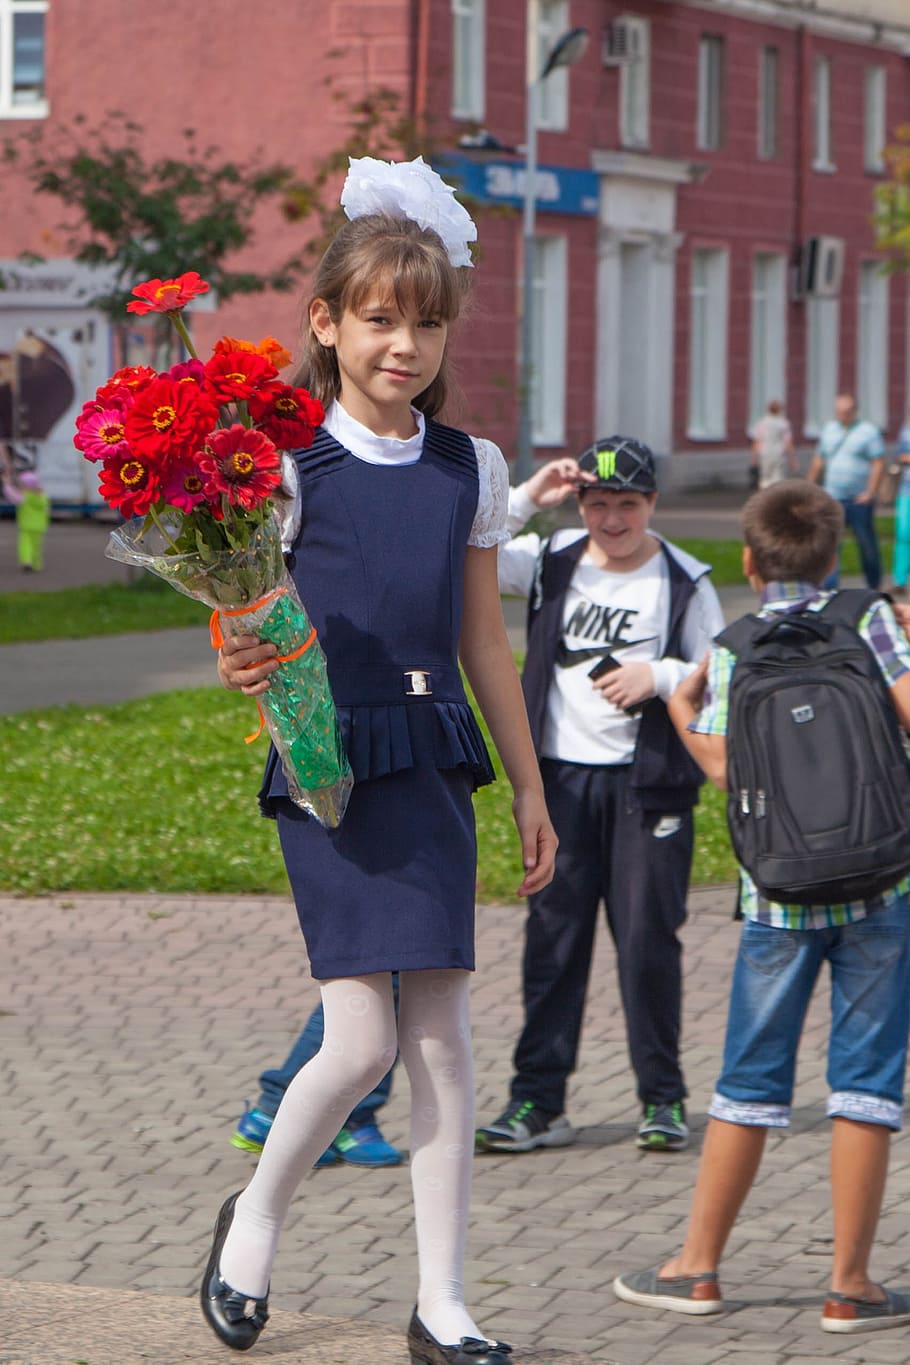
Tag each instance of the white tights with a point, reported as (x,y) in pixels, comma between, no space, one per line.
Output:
(359,1046)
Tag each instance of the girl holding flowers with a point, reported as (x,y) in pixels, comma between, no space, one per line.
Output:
(400,518)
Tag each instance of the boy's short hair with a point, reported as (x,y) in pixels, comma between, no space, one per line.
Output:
(793,529)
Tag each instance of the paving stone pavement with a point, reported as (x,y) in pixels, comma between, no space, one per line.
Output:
(134,1026)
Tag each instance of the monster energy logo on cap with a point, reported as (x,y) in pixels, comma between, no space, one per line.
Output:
(606,464)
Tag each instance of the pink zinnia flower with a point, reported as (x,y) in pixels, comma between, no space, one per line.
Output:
(187,372)
(100,432)
(183,486)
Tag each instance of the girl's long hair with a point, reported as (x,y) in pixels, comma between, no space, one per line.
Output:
(384,251)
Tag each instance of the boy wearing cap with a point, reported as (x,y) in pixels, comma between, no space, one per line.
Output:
(617,617)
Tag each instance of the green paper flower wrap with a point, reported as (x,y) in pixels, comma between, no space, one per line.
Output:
(252,593)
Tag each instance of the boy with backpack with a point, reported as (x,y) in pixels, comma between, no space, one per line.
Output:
(791,533)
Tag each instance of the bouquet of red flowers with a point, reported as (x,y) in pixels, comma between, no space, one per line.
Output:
(192,457)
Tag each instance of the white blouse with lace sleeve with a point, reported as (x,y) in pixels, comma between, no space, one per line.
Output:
(493,496)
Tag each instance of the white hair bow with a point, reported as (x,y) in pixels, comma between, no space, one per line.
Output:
(410,189)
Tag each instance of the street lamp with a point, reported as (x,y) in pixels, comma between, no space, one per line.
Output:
(566,52)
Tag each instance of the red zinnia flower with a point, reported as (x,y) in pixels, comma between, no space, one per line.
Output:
(100,432)
(169,418)
(167,296)
(126,383)
(130,485)
(288,416)
(241,463)
(237,374)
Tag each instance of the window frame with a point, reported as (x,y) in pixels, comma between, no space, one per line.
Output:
(873,304)
(635,87)
(706,416)
(768,122)
(822,130)
(767,332)
(549,362)
(709,115)
(9,107)
(822,361)
(468,60)
(552,93)
(875,118)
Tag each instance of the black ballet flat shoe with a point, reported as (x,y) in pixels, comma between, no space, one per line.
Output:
(426,1350)
(232,1316)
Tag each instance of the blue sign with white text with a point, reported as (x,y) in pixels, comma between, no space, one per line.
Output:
(557,189)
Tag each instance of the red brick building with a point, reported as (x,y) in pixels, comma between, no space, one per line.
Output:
(704,192)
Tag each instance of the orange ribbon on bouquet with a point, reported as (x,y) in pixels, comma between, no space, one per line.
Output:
(217,638)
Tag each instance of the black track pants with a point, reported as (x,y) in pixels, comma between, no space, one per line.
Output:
(638,863)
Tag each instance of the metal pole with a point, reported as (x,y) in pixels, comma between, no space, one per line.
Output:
(524,464)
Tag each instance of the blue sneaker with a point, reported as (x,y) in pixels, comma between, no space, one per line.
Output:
(365,1147)
(253,1129)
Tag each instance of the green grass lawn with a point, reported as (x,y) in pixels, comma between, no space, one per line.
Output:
(159,795)
(96,609)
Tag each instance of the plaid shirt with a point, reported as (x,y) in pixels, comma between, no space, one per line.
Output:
(889,644)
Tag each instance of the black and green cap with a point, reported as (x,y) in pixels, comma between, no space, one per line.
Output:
(621,464)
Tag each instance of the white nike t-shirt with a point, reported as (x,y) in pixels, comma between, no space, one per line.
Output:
(624,614)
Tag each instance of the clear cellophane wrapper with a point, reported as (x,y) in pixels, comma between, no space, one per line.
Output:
(251,593)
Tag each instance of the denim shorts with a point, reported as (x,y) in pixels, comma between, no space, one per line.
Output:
(775,973)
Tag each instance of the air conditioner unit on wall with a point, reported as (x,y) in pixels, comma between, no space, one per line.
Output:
(621,42)
(821,267)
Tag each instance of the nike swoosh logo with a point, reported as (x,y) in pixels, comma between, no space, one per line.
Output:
(566,657)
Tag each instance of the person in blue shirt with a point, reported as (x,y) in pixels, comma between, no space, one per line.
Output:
(900,567)
(849,464)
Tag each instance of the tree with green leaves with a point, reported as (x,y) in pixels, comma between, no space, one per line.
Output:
(891,218)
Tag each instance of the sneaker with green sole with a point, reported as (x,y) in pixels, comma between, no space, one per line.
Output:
(521,1127)
(663,1128)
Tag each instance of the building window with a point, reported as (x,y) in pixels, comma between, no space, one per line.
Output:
(709,120)
(874,119)
(553,93)
(548,354)
(872,343)
(468,59)
(635,83)
(768,350)
(822,324)
(768,100)
(708,344)
(23,92)
(823,151)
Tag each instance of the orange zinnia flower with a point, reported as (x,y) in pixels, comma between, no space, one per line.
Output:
(268,346)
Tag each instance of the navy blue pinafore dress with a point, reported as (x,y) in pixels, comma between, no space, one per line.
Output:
(379,564)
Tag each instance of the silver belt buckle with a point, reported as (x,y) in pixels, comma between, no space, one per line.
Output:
(418,683)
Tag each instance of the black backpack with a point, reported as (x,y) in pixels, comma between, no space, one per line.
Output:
(818,773)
